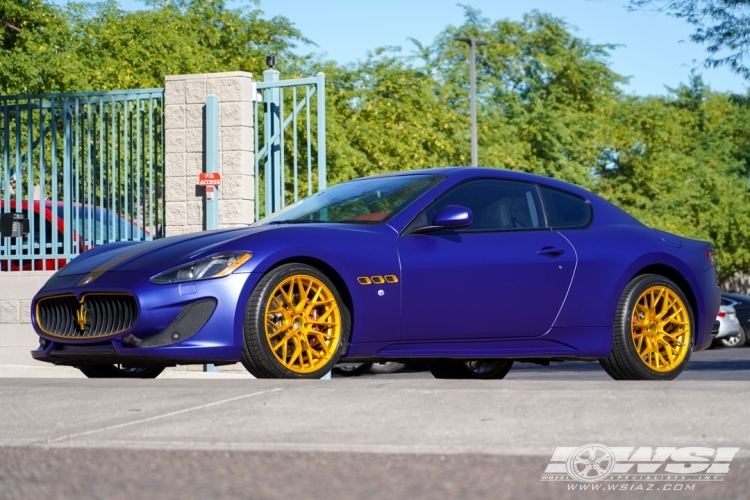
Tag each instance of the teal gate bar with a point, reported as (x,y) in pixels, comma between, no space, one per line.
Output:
(84,168)
(290,141)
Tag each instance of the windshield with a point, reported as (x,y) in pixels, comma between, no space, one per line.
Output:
(100,226)
(366,201)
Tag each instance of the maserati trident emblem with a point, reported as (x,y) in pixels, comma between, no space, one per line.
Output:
(81,317)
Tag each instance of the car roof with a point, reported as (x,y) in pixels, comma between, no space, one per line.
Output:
(736,296)
(468,172)
(423,171)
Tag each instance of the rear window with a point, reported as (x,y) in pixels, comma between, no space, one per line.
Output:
(565,210)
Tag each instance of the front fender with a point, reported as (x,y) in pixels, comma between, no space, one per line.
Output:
(376,309)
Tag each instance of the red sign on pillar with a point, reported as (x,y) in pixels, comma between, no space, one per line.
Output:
(209,179)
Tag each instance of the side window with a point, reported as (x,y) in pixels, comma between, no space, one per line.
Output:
(565,210)
(495,204)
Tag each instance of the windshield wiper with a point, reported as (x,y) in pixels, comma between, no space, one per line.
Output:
(308,221)
(298,221)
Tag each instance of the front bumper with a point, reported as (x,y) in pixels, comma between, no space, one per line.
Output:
(189,323)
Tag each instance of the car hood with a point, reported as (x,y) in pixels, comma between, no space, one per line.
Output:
(154,255)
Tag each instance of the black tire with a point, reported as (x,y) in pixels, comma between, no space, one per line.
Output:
(624,363)
(353,370)
(257,356)
(483,369)
(120,371)
(736,340)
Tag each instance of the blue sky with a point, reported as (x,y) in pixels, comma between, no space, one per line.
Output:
(655,49)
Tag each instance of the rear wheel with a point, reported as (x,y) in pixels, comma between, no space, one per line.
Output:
(474,369)
(734,340)
(120,371)
(384,367)
(353,369)
(653,332)
(296,324)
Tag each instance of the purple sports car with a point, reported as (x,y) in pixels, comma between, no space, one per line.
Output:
(465,269)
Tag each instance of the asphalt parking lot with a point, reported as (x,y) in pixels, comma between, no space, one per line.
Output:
(400,435)
(712,364)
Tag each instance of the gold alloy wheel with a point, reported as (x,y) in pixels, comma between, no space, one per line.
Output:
(661,328)
(302,323)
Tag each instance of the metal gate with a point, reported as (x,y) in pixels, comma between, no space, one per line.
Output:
(84,168)
(290,140)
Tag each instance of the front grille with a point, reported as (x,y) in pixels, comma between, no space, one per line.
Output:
(97,315)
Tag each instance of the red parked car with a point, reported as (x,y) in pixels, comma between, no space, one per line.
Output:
(90,226)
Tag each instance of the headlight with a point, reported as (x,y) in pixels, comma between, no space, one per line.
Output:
(215,266)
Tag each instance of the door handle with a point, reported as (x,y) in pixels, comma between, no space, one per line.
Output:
(551,251)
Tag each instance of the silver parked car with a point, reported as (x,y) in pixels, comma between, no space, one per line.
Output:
(729,327)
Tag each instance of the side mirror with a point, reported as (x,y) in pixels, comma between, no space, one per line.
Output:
(449,217)
(453,217)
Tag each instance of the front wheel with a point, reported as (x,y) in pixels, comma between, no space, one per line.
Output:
(120,371)
(296,324)
(475,369)
(653,332)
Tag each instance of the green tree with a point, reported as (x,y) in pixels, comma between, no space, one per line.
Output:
(542,92)
(386,115)
(34,55)
(722,25)
(98,46)
(678,163)
(548,100)
(137,49)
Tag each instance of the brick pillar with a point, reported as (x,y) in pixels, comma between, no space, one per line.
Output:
(185,102)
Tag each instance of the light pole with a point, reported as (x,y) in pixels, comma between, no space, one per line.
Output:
(473,43)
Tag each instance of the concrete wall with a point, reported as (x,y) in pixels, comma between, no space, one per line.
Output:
(185,101)
(17,337)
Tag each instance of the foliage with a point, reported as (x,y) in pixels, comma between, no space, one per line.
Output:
(548,103)
(723,25)
(34,54)
(541,93)
(679,163)
(98,46)
(386,115)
